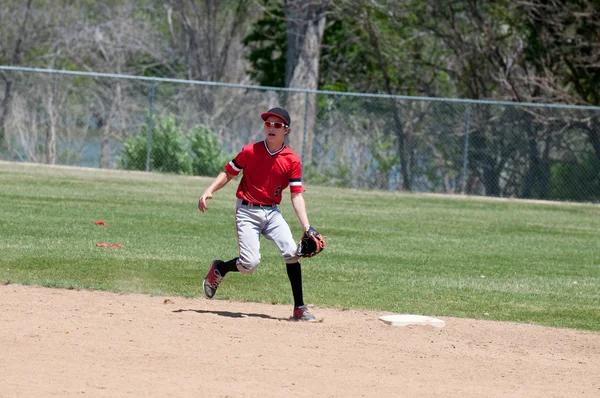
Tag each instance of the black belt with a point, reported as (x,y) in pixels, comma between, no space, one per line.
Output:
(246,203)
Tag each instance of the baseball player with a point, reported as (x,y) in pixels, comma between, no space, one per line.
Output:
(268,167)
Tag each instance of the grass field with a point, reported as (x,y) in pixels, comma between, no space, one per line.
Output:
(435,255)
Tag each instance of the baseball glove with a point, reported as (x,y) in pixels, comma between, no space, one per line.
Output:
(311,243)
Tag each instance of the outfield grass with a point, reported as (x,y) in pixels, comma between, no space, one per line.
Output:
(407,253)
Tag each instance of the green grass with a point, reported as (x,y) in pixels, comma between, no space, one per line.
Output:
(407,253)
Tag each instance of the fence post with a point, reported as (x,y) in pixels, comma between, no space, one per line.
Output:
(305,126)
(466,151)
(149,147)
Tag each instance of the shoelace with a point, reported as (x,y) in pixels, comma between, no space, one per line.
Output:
(218,278)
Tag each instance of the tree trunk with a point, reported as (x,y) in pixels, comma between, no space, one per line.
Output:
(4,113)
(593,133)
(305,24)
(491,180)
(50,145)
(16,54)
(107,132)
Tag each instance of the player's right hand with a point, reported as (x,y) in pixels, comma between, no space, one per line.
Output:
(202,201)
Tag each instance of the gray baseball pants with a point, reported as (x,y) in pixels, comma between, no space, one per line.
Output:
(251,222)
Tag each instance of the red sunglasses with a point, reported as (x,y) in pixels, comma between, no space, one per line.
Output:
(276,125)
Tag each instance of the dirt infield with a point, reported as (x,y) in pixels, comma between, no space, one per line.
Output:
(98,344)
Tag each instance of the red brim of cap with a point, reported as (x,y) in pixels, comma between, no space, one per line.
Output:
(265,115)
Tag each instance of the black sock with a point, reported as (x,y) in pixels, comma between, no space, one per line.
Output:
(295,274)
(228,266)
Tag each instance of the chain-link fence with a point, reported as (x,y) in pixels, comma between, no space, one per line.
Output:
(345,139)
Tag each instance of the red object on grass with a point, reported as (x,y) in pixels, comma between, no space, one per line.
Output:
(100,222)
(111,245)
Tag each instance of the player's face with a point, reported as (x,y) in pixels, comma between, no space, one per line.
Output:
(275,129)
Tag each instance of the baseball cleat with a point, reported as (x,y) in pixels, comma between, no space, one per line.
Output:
(303,314)
(212,280)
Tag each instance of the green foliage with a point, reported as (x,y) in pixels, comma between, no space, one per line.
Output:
(364,48)
(345,63)
(207,156)
(133,156)
(562,41)
(344,51)
(578,181)
(384,154)
(268,45)
(338,174)
(168,152)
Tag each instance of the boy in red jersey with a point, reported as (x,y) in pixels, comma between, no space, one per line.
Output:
(268,167)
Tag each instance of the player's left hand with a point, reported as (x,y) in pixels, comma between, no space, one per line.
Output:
(311,243)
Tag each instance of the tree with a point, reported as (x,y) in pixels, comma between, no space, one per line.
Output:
(394,50)
(562,38)
(358,52)
(205,34)
(345,65)
(305,23)
(481,47)
(267,45)
(112,37)
(11,53)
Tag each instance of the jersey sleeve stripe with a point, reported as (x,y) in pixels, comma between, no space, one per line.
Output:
(235,166)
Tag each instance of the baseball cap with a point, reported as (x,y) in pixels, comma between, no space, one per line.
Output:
(280,113)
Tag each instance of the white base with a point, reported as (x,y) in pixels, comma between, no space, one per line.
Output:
(407,319)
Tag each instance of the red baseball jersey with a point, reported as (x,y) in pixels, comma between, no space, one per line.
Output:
(266,173)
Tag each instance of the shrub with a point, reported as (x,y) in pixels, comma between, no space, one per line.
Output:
(133,156)
(207,155)
(168,152)
(576,181)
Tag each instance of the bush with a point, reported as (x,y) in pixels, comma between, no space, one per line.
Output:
(168,152)
(576,181)
(207,156)
(134,152)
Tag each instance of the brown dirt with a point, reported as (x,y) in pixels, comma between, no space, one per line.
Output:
(90,343)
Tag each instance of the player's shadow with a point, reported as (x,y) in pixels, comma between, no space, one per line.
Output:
(234,314)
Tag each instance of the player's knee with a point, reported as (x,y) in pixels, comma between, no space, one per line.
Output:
(247,265)
(289,256)
(288,251)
